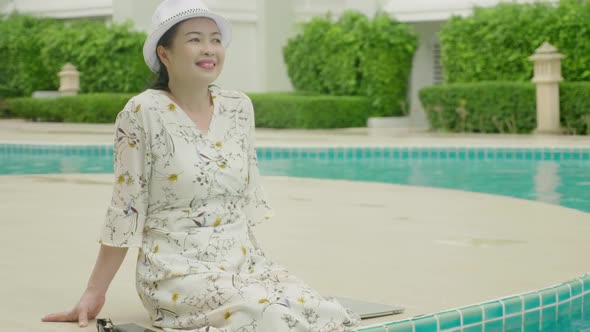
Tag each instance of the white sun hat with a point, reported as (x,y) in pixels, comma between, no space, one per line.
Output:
(170,12)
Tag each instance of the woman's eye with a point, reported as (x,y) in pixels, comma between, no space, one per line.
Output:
(195,40)
(217,40)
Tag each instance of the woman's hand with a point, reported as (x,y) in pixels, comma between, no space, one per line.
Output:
(89,306)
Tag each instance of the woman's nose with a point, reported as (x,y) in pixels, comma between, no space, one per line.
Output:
(207,49)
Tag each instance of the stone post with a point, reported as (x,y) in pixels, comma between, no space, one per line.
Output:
(69,80)
(547,76)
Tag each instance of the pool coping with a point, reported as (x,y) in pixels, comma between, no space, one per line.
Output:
(297,205)
(476,315)
(572,148)
(497,144)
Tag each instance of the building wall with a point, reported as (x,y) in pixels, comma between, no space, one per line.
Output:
(439,10)
(62,8)
(141,16)
(243,68)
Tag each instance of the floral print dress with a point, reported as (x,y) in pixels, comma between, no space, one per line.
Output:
(188,200)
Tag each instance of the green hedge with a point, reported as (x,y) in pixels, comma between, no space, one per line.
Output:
(501,107)
(494,44)
(354,56)
(108,56)
(273,110)
(5,111)
(283,110)
(90,108)
(574,107)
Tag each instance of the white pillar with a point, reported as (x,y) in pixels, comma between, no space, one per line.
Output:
(276,24)
(547,77)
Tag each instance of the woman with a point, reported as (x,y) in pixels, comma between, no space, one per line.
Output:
(187,193)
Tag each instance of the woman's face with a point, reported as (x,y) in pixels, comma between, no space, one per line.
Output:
(196,52)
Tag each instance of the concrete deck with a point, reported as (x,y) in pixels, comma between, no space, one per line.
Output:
(427,249)
(22,131)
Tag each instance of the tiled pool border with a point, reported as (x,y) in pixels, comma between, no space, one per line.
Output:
(347,152)
(534,311)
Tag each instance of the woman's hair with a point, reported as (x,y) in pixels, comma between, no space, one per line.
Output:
(161,82)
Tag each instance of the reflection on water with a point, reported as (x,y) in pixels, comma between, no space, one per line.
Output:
(71,165)
(547,182)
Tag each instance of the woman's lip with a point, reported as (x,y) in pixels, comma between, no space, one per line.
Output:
(206,65)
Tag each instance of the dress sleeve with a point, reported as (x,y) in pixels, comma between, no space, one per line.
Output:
(257,208)
(125,217)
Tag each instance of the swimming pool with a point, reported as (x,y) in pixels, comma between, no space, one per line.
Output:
(556,176)
(550,175)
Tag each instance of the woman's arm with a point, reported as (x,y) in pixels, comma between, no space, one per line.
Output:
(107,264)
(125,216)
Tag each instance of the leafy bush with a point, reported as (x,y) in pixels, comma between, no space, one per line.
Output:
(108,57)
(386,64)
(354,56)
(494,44)
(23,71)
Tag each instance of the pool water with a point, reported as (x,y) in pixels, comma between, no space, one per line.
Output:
(565,182)
(554,176)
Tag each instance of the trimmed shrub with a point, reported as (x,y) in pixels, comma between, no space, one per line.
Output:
(574,107)
(502,107)
(284,110)
(486,107)
(273,110)
(90,108)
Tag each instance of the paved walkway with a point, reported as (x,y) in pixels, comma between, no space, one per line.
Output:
(21,131)
(427,249)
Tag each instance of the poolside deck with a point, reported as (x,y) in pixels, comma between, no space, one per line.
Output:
(427,249)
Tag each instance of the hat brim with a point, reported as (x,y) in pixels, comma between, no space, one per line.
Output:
(151,43)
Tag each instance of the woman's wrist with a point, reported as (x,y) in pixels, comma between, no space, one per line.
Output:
(96,289)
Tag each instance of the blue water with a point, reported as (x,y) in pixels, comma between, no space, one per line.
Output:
(564,181)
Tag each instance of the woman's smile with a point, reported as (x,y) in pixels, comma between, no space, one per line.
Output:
(208,64)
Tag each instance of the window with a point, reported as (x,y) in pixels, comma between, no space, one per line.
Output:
(437,72)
